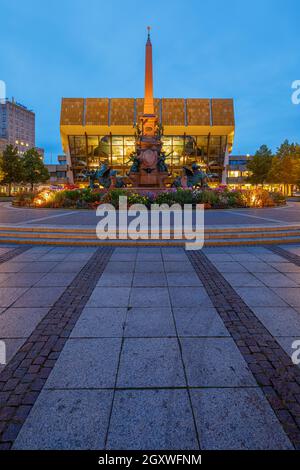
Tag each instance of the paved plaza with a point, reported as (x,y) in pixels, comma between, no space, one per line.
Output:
(9,215)
(149,348)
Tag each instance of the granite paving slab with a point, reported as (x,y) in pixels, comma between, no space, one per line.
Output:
(115,280)
(230,267)
(286,267)
(20,279)
(152,419)
(149,267)
(150,362)
(39,297)
(291,295)
(276,280)
(237,419)
(120,266)
(149,297)
(188,279)
(100,322)
(243,279)
(147,322)
(8,295)
(149,279)
(199,321)
(10,267)
(86,363)
(67,420)
(260,297)
(280,321)
(68,267)
(189,297)
(56,280)
(39,267)
(109,297)
(20,322)
(215,362)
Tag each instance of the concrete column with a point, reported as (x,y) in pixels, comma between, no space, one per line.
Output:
(226,163)
(70,174)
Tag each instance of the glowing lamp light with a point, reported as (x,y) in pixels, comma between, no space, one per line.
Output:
(42,198)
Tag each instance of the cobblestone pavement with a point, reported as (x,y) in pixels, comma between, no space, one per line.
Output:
(150,348)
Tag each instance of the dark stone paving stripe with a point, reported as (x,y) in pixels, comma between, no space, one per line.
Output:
(13,253)
(292,257)
(271,366)
(24,376)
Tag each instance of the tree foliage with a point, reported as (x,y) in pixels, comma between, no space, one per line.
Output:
(27,169)
(281,168)
(259,166)
(11,167)
(33,169)
(285,167)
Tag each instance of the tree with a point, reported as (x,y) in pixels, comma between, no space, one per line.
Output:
(259,166)
(33,169)
(10,167)
(286,166)
(1,171)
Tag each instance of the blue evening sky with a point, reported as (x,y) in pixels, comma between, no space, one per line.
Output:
(247,50)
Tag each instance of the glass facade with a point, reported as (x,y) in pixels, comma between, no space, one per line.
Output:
(89,151)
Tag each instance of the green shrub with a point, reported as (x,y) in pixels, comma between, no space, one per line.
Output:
(71,194)
(24,199)
(278,198)
(178,196)
(235,199)
(183,196)
(206,196)
(135,198)
(112,197)
(59,199)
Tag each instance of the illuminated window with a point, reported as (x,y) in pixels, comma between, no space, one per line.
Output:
(129,140)
(234,174)
(93,140)
(80,145)
(117,150)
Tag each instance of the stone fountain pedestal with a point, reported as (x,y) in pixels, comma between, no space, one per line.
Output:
(148,149)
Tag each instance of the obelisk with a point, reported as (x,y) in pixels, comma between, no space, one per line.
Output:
(148,97)
(149,119)
(148,143)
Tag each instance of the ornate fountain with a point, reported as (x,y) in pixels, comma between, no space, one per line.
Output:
(149,167)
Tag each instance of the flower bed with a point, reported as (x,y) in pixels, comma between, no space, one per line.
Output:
(219,198)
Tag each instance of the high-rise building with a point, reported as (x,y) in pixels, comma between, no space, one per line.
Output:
(17,125)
